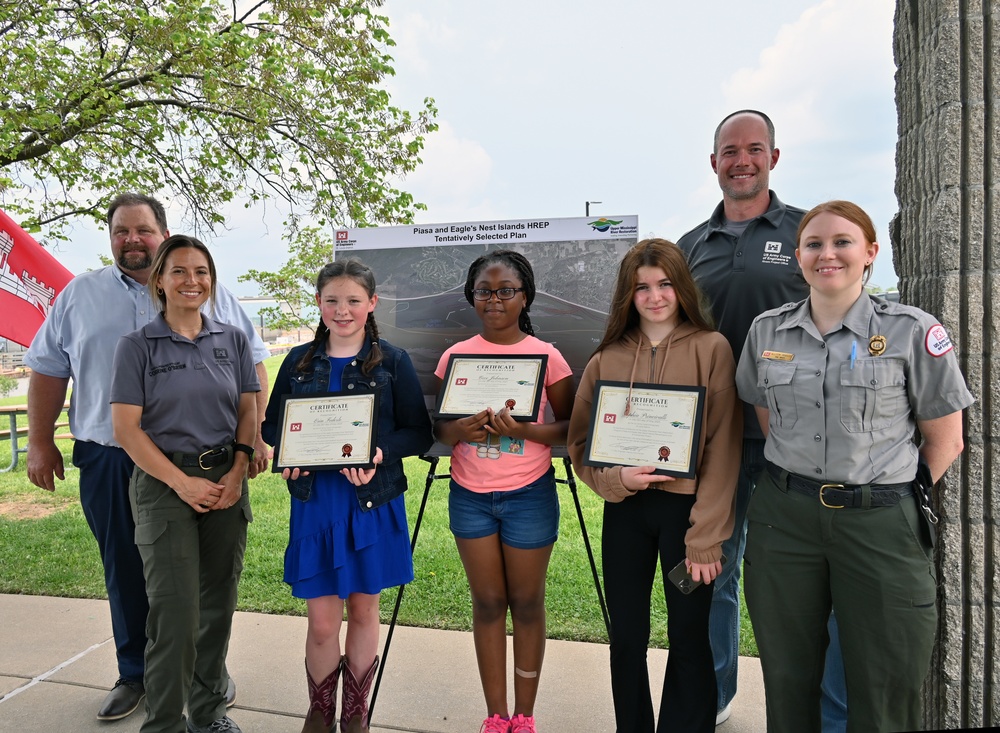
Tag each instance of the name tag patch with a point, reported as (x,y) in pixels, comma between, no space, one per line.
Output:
(937,341)
(777,356)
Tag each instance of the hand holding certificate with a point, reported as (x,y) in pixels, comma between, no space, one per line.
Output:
(473,383)
(660,427)
(326,431)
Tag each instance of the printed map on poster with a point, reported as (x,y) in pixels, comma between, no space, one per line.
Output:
(420,273)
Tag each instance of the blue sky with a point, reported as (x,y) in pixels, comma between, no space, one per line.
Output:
(547,104)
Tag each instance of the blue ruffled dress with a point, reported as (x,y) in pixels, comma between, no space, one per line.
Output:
(335,548)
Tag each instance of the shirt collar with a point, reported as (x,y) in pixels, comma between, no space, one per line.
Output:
(859,316)
(126,281)
(158,328)
(856,319)
(774,214)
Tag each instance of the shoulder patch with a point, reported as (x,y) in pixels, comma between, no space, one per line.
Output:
(937,341)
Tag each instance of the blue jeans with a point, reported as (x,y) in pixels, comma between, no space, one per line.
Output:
(724,620)
(833,690)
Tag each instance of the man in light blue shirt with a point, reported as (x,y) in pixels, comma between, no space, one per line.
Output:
(78,340)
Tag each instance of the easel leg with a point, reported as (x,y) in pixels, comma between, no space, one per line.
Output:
(571,482)
(431,477)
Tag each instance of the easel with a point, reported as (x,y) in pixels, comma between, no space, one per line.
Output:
(433,457)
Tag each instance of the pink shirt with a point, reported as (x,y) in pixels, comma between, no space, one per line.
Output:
(518,464)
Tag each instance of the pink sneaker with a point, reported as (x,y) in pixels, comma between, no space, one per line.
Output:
(521,724)
(496,724)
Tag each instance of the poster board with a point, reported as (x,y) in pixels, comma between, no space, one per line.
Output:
(420,272)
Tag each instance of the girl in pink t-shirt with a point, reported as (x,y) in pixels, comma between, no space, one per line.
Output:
(503,506)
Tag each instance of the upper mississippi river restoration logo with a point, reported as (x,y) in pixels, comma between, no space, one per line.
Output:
(602,224)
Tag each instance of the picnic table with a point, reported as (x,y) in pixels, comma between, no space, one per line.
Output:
(15,432)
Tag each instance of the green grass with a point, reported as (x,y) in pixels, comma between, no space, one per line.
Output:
(56,555)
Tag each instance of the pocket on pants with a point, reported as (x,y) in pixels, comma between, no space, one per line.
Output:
(153,541)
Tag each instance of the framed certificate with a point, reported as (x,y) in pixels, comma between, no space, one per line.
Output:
(474,382)
(662,427)
(326,431)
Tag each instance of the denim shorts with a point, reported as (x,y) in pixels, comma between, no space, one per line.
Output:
(526,518)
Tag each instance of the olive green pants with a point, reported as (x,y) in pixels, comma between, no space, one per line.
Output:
(192,564)
(872,568)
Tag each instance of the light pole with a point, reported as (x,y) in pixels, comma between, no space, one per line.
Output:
(587,207)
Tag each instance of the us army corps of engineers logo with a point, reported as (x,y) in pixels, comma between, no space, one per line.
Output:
(772,254)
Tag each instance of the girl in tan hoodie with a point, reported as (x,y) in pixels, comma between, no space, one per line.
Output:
(658,333)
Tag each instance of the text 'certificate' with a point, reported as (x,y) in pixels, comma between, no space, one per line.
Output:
(661,427)
(473,383)
(326,431)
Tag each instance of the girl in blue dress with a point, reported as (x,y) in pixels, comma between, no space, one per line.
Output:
(348,537)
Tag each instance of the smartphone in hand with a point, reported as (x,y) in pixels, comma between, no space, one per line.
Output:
(680,577)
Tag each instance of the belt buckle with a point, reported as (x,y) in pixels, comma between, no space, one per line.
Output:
(822,501)
(211,453)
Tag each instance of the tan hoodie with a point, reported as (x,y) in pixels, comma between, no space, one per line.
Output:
(689,356)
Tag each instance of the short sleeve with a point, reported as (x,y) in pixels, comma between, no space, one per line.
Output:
(131,359)
(46,354)
(935,384)
(228,310)
(248,371)
(746,371)
(557,368)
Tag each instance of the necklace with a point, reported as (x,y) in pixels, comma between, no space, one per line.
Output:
(189,333)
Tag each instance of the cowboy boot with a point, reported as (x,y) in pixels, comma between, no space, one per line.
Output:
(322,702)
(354,712)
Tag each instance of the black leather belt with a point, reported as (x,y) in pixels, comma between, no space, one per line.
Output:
(841,496)
(207,459)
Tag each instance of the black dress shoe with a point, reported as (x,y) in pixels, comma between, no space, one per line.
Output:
(231,693)
(122,701)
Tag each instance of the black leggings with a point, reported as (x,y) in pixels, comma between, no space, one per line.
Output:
(652,524)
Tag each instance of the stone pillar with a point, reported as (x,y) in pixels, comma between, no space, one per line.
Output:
(946,245)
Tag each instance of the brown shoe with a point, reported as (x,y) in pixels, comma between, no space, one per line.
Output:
(122,701)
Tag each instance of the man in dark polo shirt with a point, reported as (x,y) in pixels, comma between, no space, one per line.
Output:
(743,258)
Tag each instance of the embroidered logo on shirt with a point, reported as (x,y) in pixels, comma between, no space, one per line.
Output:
(221,353)
(772,254)
(937,341)
(777,355)
(172,366)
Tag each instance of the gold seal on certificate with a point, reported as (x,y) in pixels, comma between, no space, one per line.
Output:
(474,382)
(660,427)
(326,431)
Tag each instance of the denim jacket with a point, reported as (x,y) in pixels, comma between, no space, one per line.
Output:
(404,427)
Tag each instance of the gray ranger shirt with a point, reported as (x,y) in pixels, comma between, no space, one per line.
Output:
(843,407)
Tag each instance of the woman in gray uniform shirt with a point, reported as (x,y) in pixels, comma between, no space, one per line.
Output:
(840,381)
(183,408)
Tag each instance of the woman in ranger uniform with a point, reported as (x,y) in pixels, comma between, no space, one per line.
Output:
(840,382)
(183,405)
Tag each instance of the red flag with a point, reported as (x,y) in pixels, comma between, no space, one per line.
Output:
(30,280)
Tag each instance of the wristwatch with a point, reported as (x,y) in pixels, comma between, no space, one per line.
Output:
(244,448)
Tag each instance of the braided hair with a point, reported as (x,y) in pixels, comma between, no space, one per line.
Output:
(519,264)
(363,276)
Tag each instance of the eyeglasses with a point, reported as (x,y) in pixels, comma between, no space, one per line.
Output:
(501,293)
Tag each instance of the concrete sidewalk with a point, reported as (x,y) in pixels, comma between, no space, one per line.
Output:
(57,662)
